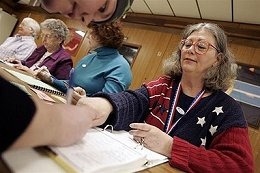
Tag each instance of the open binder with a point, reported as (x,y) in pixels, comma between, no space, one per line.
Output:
(35,83)
(103,151)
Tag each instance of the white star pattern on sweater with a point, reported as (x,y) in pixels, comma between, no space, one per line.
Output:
(213,129)
(201,121)
(218,110)
(203,141)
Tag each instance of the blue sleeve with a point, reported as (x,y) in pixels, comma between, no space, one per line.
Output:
(59,84)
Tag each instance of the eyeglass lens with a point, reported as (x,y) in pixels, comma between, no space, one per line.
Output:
(200,47)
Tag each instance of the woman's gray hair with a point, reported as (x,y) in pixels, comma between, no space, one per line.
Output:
(33,24)
(220,77)
(56,27)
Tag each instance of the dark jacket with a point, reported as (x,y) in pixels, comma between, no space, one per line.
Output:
(59,63)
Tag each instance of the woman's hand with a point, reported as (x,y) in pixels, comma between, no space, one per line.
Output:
(78,94)
(152,138)
(23,68)
(18,65)
(43,74)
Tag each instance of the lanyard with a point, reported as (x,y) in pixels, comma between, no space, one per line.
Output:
(169,124)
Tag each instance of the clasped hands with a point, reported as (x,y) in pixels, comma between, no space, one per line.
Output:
(152,138)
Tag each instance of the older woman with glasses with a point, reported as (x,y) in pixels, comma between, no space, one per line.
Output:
(186,114)
(23,43)
(51,54)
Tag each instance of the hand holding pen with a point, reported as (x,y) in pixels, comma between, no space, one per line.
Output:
(43,74)
(78,94)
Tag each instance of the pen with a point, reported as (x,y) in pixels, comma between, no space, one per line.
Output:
(67,85)
(37,67)
(70,87)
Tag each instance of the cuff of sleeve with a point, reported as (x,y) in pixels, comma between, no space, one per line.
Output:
(52,80)
(180,154)
(58,84)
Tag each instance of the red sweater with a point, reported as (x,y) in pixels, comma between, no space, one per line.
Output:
(229,151)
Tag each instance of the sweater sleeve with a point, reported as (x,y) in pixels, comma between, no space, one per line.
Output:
(230,151)
(17,111)
(25,51)
(129,106)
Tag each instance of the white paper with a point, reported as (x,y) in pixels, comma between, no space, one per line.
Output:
(98,152)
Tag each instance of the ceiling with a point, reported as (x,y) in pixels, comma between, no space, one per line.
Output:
(241,11)
(240,18)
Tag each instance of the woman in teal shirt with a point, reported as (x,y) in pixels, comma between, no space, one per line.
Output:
(103,69)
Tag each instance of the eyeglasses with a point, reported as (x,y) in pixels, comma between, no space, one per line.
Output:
(200,47)
(47,36)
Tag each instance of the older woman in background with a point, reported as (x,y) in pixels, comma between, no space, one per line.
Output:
(50,55)
(103,69)
(23,43)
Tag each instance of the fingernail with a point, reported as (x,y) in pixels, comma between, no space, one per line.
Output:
(131,125)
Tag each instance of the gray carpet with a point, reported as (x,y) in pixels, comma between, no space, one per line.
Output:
(252,115)
(247,92)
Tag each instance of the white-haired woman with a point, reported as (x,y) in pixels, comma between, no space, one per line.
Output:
(23,43)
(51,54)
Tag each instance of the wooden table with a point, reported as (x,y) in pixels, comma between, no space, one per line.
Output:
(4,168)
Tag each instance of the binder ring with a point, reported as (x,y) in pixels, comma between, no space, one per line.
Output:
(109,126)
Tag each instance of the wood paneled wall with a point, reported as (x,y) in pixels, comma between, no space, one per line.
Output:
(157,44)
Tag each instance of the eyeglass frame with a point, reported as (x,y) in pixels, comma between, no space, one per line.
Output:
(181,44)
(48,36)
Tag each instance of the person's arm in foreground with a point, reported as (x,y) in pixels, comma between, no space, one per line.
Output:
(95,103)
(59,124)
(28,123)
